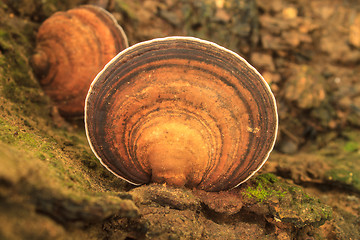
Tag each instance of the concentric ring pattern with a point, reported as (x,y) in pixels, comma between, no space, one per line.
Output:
(181,111)
(72,47)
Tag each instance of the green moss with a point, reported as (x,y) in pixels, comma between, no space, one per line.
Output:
(264,188)
(48,145)
(4,42)
(21,137)
(2,64)
(259,192)
(351,146)
(327,213)
(6,132)
(342,156)
(287,203)
(13,43)
(41,156)
(17,82)
(345,177)
(29,140)
(267,178)
(17,136)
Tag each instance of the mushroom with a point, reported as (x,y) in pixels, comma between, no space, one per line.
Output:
(72,47)
(181,111)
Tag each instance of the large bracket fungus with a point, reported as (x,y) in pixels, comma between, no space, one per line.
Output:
(181,111)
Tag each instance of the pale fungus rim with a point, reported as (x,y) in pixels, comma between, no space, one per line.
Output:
(116,24)
(194,39)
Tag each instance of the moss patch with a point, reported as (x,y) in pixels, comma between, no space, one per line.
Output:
(35,185)
(346,177)
(287,203)
(343,156)
(263,189)
(351,146)
(17,82)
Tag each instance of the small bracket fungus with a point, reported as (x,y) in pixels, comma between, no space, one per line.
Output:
(181,111)
(71,48)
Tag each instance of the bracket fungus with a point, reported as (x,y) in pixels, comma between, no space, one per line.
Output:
(181,111)
(71,48)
